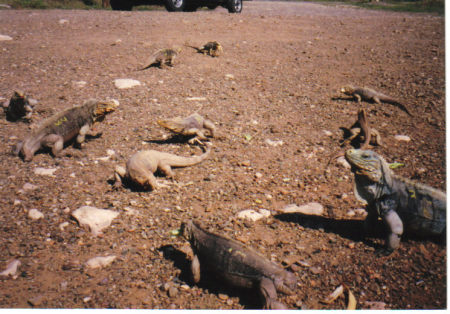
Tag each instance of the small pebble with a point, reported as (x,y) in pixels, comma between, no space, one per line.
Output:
(402,138)
(35,214)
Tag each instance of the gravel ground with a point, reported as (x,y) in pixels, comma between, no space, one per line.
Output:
(273,96)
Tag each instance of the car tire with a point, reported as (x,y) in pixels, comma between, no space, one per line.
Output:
(175,5)
(123,5)
(234,6)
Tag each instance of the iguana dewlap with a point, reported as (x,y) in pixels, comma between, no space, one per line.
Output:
(401,203)
(71,123)
(237,265)
(142,165)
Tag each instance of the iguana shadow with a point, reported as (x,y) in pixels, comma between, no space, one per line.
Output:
(343,98)
(351,229)
(208,281)
(175,139)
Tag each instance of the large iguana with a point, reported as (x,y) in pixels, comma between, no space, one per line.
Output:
(19,106)
(162,57)
(64,126)
(193,125)
(142,165)
(212,48)
(237,265)
(401,203)
(365,93)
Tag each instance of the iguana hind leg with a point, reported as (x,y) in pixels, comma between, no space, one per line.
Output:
(56,142)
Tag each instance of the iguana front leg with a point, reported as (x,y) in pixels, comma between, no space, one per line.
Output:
(269,295)
(82,134)
(395,225)
(195,269)
(386,208)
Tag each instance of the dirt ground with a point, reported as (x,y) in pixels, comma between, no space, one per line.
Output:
(274,97)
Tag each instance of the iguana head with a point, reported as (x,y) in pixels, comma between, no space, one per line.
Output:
(348,90)
(186,229)
(370,165)
(102,108)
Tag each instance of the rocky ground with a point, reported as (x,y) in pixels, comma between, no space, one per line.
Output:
(273,96)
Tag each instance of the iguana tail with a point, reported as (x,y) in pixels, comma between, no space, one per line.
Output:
(179,161)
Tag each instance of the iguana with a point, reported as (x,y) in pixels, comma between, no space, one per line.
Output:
(142,165)
(364,93)
(193,125)
(237,265)
(362,130)
(163,57)
(212,48)
(64,126)
(19,106)
(401,203)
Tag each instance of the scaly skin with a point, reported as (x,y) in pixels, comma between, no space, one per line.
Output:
(237,265)
(64,126)
(142,166)
(401,203)
(193,125)
(19,106)
(163,57)
(367,94)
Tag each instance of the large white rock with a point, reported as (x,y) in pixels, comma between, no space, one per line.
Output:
(35,214)
(100,261)
(5,37)
(402,138)
(95,218)
(253,215)
(11,268)
(307,209)
(44,171)
(126,83)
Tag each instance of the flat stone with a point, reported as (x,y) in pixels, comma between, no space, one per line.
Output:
(274,143)
(307,209)
(29,187)
(35,214)
(79,84)
(95,218)
(11,268)
(45,171)
(100,261)
(402,138)
(5,37)
(126,83)
(253,215)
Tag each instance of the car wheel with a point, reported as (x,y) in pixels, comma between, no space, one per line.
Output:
(234,6)
(175,5)
(121,5)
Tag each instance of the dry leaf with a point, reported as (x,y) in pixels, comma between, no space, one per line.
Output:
(336,293)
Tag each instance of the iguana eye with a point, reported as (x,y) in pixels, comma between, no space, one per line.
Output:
(365,156)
